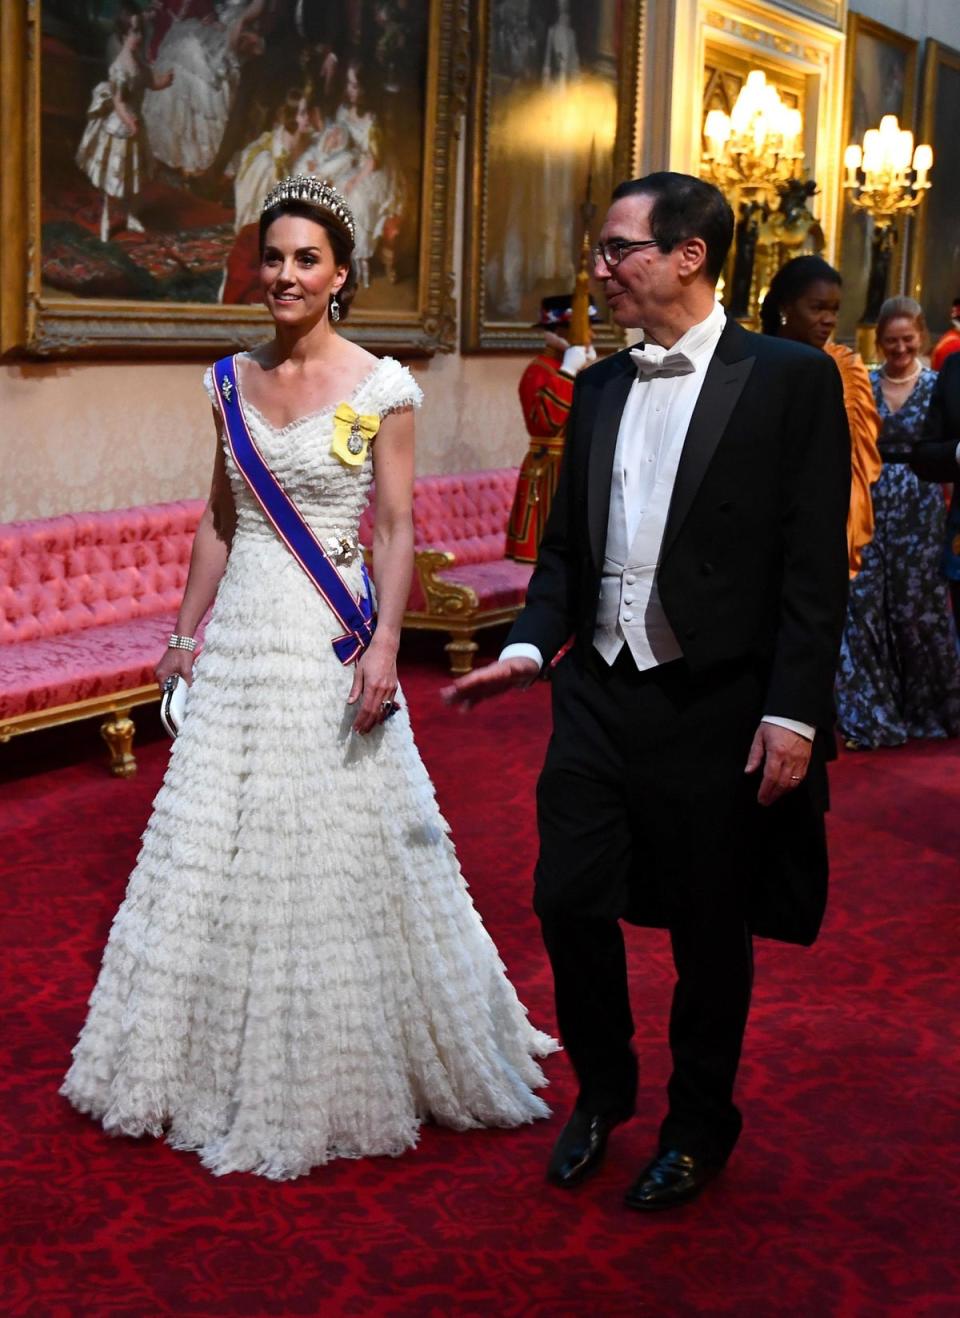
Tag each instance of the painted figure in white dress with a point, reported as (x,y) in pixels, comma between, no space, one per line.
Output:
(371,190)
(553,258)
(271,156)
(114,151)
(187,128)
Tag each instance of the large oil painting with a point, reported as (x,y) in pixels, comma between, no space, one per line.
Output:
(162,125)
(936,248)
(881,79)
(552,130)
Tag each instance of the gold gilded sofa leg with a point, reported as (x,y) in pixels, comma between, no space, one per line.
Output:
(461,649)
(117,731)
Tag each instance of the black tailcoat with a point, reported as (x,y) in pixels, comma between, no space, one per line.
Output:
(753,568)
(935,453)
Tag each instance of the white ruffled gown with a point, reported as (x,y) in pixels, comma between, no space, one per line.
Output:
(297,971)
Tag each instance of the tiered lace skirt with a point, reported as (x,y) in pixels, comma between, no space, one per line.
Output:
(297,971)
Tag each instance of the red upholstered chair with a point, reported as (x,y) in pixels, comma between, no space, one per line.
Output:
(462,580)
(87,601)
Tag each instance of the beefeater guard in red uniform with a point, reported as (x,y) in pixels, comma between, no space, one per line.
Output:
(546,391)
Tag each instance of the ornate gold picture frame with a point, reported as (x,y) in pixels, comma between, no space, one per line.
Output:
(165,264)
(554,104)
(935,252)
(881,76)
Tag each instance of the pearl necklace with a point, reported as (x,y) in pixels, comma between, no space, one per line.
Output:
(901,379)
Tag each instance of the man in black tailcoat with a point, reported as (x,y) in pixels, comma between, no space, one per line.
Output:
(696,552)
(936,457)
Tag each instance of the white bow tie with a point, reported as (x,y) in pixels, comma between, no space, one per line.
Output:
(656,363)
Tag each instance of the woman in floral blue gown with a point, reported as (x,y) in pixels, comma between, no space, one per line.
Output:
(899,667)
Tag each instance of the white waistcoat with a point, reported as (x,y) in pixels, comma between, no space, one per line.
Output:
(650,441)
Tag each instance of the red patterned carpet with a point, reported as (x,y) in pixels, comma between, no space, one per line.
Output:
(842,1197)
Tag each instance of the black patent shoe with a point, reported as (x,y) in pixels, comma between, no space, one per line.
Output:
(671,1178)
(581,1147)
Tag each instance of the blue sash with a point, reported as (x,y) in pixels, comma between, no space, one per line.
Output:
(353,612)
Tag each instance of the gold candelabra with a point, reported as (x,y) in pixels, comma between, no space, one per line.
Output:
(757,146)
(878,173)
(878,176)
(754,155)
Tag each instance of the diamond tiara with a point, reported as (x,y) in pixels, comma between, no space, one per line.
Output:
(317,192)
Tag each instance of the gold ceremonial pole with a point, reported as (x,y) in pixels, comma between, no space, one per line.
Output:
(580,306)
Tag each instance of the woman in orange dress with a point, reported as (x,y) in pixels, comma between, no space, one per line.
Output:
(802,304)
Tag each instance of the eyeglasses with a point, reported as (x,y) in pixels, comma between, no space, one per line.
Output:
(616,249)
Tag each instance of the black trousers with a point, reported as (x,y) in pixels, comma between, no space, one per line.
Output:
(643,810)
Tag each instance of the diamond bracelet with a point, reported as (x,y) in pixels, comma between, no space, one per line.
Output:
(181,643)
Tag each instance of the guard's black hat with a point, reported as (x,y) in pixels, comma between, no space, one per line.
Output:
(557,311)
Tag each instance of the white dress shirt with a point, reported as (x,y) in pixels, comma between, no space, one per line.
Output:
(653,428)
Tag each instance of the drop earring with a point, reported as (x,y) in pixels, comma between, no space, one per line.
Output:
(334,308)
(783,318)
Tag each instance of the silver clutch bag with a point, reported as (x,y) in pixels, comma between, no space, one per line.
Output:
(172,704)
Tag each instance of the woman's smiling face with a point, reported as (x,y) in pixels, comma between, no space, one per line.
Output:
(298,270)
(900,344)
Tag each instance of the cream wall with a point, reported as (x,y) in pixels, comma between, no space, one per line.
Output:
(78,435)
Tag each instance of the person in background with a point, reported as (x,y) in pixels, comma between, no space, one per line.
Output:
(802,304)
(948,342)
(936,457)
(546,390)
(899,669)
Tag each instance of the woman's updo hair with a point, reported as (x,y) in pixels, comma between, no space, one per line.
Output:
(902,308)
(341,240)
(790,282)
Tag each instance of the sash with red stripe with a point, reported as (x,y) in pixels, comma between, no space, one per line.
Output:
(353,612)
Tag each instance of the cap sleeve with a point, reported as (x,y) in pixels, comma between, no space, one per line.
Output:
(209,385)
(395,388)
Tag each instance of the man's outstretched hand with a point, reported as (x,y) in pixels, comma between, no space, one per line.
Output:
(492,680)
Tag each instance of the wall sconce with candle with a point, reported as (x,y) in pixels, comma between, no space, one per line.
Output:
(878,176)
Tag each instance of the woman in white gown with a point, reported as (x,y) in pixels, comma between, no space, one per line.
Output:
(297,971)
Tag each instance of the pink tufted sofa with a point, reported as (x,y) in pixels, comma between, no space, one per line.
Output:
(87,601)
(462,580)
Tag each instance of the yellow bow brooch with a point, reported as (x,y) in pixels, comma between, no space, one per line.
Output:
(352,434)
